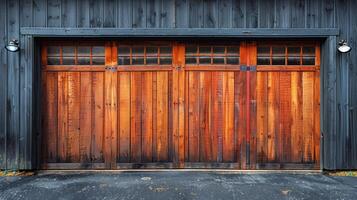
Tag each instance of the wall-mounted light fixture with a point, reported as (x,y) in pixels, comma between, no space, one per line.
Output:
(13,45)
(343,47)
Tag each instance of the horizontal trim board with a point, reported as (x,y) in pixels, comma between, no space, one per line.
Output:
(181,32)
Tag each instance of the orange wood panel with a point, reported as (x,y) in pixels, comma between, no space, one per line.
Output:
(97,117)
(205,135)
(262,117)
(228,118)
(50,117)
(296,117)
(162,116)
(124,116)
(62,116)
(285,115)
(135,119)
(273,117)
(308,115)
(193,114)
(217,116)
(147,118)
(85,116)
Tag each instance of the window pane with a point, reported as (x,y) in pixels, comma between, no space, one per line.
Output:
(205,60)
(123,51)
(138,50)
(308,61)
(138,60)
(278,51)
(263,60)
(125,60)
(98,61)
(68,60)
(165,50)
(83,51)
(205,50)
(151,60)
(53,61)
(294,51)
(83,61)
(233,60)
(68,51)
(165,60)
(191,60)
(191,50)
(218,60)
(53,51)
(152,50)
(263,51)
(294,61)
(218,50)
(308,51)
(232,50)
(278,60)
(98,51)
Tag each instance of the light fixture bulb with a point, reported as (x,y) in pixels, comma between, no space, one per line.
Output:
(12,46)
(343,47)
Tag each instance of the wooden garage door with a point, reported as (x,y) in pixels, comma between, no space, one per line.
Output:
(113,105)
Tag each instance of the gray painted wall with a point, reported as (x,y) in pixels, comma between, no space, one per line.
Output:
(339,98)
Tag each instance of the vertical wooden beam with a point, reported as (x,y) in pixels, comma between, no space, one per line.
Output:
(178,104)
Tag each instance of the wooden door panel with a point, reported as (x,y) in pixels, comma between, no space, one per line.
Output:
(73,117)
(144,116)
(286,107)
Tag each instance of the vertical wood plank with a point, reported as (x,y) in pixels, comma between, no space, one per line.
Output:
(193,101)
(228,118)
(296,117)
(124,116)
(74,92)
(139,14)
(240,107)
(147,121)
(282,14)
(83,9)
(285,115)
(297,13)
(125,14)
(162,104)
(54,13)
(239,15)
(135,120)
(62,116)
(196,14)
(98,107)
(308,87)
(217,116)
(167,16)
(262,117)
(210,10)
(181,16)
(69,13)
(50,116)
(266,14)
(206,137)
(85,137)
(273,117)
(252,13)
(109,9)
(96,13)
(225,13)
(39,13)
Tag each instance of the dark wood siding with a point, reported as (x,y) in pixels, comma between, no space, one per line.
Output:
(339,96)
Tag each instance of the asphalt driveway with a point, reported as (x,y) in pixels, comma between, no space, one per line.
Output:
(177,185)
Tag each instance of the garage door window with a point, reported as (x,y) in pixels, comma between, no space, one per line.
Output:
(286,55)
(212,55)
(144,55)
(75,55)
